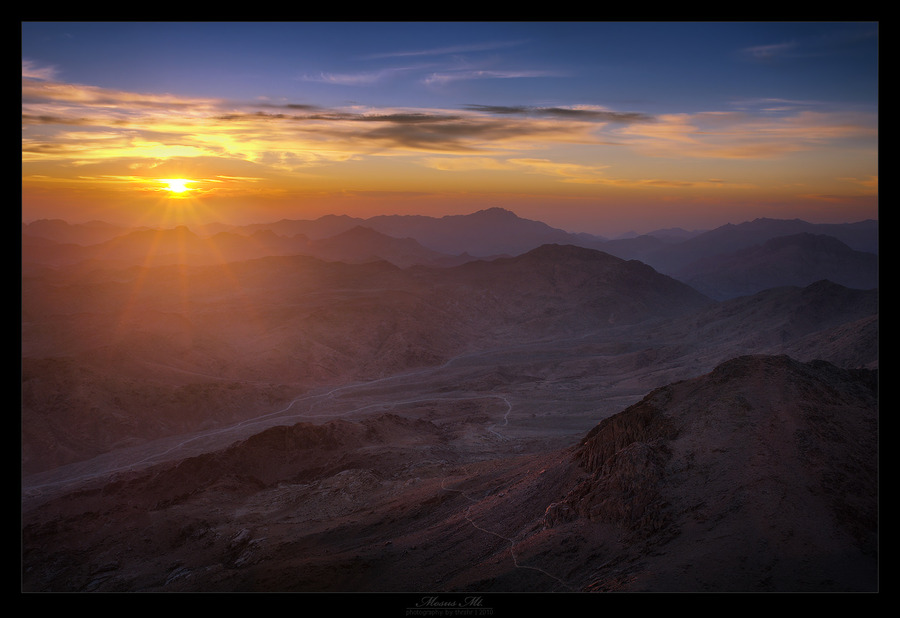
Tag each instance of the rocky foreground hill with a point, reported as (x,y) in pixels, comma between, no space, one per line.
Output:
(760,475)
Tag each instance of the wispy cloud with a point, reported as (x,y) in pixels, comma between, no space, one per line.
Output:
(103,100)
(31,70)
(428,76)
(772,104)
(586,113)
(837,41)
(449,76)
(568,172)
(246,130)
(69,126)
(734,135)
(868,184)
(770,52)
(559,170)
(448,50)
(249,130)
(361,78)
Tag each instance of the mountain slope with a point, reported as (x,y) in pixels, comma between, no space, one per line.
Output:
(487,232)
(674,256)
(771,321)
(363,244)
(759,476)
(165,350)
(564,289)
(140,335)
(63,232)
(797,260)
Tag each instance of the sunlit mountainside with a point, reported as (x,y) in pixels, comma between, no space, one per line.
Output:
(479,402)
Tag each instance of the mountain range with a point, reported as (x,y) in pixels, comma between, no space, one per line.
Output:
(799,259)
(725,262)
(470,403)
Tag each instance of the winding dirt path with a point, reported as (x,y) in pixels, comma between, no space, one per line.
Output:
(512,542)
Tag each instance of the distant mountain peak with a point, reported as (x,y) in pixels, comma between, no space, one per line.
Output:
(361,230)
(558,251)
(497,211)
(807,239)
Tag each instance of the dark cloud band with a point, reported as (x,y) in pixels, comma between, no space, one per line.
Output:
(565,112)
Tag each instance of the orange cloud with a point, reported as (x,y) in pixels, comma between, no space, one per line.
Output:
(84,137)
(736,135)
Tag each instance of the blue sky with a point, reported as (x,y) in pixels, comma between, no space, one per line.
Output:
(764,83)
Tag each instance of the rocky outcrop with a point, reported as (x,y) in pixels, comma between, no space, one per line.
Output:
(761,465)
(625,457)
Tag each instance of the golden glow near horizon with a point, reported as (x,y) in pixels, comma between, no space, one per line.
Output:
(87,145)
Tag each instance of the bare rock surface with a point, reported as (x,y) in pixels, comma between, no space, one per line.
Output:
(758,476)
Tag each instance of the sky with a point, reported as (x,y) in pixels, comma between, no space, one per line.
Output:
(598,127)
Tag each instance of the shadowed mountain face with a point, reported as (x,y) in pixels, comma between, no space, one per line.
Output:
(797,260)
(228,412)
(772,460)
(724,240)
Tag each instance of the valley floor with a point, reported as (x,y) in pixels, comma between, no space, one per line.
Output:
(437,479)
(411,510)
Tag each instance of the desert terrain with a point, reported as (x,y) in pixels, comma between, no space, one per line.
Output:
(468,404)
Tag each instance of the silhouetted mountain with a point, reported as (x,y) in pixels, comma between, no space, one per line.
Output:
(496,231)
(489,232)
(181,245)
(798,260)
(642,246)
(772,320)
(363,244)
(861,235)
(148,247)
(674,256)
(39,252)
(314,229)
(483,233)
(90,233)
(635,248)
(558,290)
(675,233)
(759,476)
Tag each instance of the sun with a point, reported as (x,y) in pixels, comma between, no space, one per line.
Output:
(177,186)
